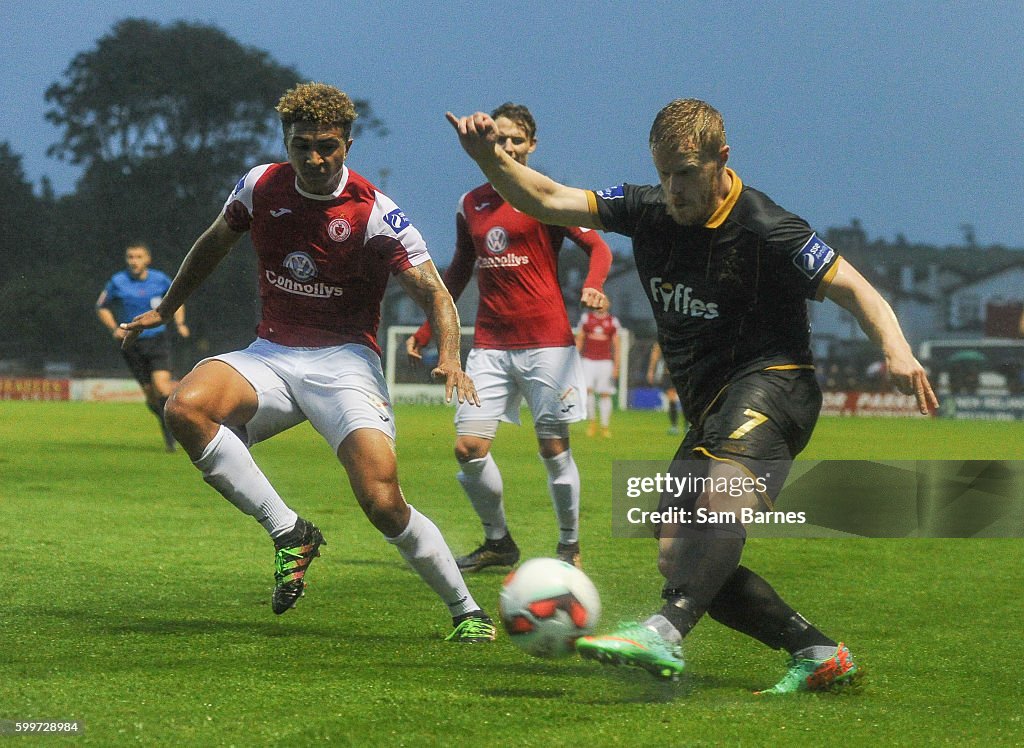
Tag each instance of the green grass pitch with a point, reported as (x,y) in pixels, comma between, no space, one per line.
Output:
(137,601)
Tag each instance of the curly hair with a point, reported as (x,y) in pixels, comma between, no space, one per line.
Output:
(518,114)
(689,123)
(317,103)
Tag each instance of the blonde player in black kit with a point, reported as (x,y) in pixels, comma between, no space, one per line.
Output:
(727,273)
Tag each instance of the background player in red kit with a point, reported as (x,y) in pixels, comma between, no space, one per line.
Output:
(523,347)
(597,340)
(327,242)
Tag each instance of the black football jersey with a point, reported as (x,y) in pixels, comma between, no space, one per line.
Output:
(728,297)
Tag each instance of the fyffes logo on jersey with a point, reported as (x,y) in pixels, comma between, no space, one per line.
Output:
(339,229)
(677,297)
(496,240)
(300,266)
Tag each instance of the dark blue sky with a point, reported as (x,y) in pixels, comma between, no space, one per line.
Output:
(906,115)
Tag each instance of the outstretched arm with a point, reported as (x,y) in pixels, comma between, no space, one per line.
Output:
(210,248)
(456,278)
(424,286)
(525,189)
(853,293)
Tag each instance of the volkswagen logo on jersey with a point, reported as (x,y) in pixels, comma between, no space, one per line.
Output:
(339,229)
(496,240)
(300,265)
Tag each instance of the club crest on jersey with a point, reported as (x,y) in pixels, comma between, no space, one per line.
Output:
(339,229)
(300,266)
(496,240)
(396,220)
(813,256)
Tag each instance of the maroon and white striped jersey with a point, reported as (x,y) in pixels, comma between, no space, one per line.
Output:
(324,260)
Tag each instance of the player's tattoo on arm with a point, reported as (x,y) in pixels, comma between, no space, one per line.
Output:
(425,287)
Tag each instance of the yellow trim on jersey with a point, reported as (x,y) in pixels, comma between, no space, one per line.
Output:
(789,367)
(719,216)
(592,207)
(763,496)
(826,279)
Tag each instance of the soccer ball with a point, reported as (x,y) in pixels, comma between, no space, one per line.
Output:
(546,605)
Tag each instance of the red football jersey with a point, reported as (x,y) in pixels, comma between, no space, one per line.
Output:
(516,259)
(324,260)
(598,332)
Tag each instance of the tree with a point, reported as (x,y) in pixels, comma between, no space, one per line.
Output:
(22,210)
(149,91)
(164,119)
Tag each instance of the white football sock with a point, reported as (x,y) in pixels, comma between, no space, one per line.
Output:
(481,480)
(820,652)
(423,547)
(227,466)
(564,486)
(604,409)
(664,628)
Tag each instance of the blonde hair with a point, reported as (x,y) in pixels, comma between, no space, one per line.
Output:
(691,124)
(317,103)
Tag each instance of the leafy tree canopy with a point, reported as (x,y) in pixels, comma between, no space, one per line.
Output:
(148,91)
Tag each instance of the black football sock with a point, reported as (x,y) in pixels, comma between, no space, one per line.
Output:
(673,413)
(748,604)
(709,556)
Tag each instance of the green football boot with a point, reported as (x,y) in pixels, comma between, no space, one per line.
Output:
(816,675)
(634,645)
(294,553)
(474,627)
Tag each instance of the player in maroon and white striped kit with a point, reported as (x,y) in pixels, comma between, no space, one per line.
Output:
(327,242)
(523,348)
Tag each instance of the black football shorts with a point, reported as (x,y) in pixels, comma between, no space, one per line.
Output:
(147,355)
(761,420)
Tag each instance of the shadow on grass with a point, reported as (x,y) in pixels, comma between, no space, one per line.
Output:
(638,686)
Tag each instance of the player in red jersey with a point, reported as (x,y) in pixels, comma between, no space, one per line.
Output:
(523,347)
(327,241)
(597,340)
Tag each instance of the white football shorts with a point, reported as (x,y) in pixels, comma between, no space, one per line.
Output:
(551,380)
(597,373)
(338,389)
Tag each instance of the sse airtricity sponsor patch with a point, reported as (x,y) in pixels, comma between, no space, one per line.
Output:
(611,193)
(814,255)
(396,220)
